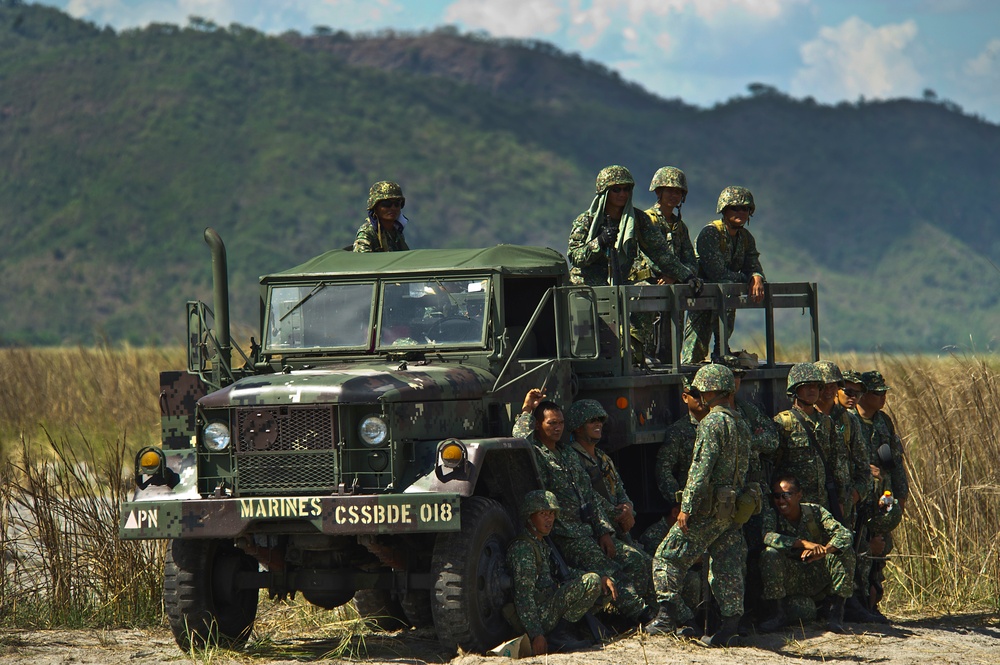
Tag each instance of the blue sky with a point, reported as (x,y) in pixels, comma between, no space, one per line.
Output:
(703,51)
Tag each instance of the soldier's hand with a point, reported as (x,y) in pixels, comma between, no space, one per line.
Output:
(756,288)
(539,646)
(876,472)
(608,587)
(812,551)
(607,545)
(608,236)
(682,521)
(625,517)
(532,400)
(696,284)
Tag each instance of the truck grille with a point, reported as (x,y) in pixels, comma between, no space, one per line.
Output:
(285,449)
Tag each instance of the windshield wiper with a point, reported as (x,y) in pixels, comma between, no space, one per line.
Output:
(319,287)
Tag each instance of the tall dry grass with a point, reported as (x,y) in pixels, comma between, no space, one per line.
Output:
(947,413)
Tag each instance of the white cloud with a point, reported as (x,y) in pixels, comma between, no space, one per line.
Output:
(855,59)
(524,18)
(986,64)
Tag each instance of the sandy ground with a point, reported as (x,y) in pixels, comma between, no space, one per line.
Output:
(962,640)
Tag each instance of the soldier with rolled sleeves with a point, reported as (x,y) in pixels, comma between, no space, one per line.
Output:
(382,231)
(808,555)
(885,449)
(727,253)
(809,447)
(707,521)
(545,602)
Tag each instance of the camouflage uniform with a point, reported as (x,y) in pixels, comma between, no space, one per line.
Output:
(371,237)
(673,460)
(722,258)
(721,457)
(785,574)
(848,426)
(797,456)
(540,601)
(581,521)
(589,261)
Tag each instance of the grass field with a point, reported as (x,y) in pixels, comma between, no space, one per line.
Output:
(71,419)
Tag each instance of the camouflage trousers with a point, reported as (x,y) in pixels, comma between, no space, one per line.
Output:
(654,535)
(727,551)
(871,572)
(783,574)
(630,570)
(698,332)
(645,330)
(569,601)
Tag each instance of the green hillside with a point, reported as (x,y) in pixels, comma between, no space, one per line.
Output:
(119,148)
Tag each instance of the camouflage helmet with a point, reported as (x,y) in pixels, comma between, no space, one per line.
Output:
(669,176)
(803,373)
(613,175)
(852,376)
(382,190)
(874,382)
(735,196)
(536,500)
(715,378)
(733,363)
(831,373)
(583,410)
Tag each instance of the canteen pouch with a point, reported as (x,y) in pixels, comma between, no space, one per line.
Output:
(725,503)
(747,504)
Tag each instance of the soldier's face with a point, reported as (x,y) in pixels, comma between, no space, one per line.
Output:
(618,195)
(550,428)
(388,210)
(543,521)
(829,391)
(669,198)
(592,430)
(872,401)
(785,498)
(849,394)
(808,393)
(735,216)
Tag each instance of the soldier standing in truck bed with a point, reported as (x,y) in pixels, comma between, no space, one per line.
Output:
(382,231)
(727,253)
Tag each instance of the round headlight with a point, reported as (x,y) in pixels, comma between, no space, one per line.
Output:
(216,436)
(373,430)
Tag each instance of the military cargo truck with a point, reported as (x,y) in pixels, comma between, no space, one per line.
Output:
(362,450)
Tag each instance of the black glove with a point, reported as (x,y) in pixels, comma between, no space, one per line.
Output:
(696,284)
(608,236)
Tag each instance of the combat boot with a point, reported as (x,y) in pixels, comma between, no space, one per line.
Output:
(776,619)
(855,612)
(563,639)
(663,624)
(728,634)
(835,619)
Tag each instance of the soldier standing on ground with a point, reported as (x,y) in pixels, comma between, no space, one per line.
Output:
(888,473)
(798,537)
(705,524)
(382,231)
(727,253)
(809,447)
(848,427)
(543,606)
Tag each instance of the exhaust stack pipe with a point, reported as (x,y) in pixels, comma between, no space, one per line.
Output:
(220,284)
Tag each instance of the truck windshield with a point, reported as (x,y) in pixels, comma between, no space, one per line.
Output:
(320,316)
(434,312)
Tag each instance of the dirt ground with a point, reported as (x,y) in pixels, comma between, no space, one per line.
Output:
(959,640)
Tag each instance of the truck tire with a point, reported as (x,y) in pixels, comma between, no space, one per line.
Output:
(200,593)
(470,578)
(379,607)
(417,608)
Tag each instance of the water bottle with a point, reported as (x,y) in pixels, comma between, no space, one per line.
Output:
(886,502)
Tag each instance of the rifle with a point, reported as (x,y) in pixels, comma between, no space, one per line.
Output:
(614,270)
(597,629)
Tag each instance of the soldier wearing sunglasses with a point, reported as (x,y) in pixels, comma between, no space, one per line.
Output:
(382,231)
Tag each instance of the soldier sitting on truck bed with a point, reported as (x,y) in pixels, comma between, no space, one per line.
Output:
(582,532)
(546,602)
(382,231)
